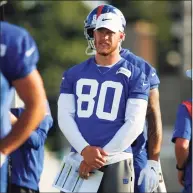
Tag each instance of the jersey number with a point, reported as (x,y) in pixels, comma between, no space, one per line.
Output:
(89,98)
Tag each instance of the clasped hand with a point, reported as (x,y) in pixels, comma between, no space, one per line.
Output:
(94,158)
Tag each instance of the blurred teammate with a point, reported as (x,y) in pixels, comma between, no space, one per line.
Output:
(182,137)
(146,153)
(18,59)
(27,160)
(102,107)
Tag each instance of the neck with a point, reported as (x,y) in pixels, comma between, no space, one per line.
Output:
(112,58)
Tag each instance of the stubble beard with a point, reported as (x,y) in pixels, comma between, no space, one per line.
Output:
(108,52)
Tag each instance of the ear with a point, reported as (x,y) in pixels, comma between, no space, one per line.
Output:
(122,36)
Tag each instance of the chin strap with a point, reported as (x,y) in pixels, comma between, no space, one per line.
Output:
(89,51)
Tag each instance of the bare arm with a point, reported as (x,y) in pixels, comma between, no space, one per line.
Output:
(30,89)
(154,125)
(182,151)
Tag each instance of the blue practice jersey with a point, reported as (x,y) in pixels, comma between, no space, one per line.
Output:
(19,54)
(150,72)
(18,57)
(101,97)
(183,129)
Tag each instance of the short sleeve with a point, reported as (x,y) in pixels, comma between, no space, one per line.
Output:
(147,68)
(46,123)
(139,85)
(183,124)
(22,57)
(66,86)
(153,79)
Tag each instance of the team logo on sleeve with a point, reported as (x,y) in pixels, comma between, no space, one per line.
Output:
(29,52)
(124,71)
(145,83)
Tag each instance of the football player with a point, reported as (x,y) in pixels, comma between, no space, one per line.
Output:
(182,137)
(146,153)
(18,59)
(102,107)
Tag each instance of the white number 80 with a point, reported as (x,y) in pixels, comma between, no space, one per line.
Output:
(101,100)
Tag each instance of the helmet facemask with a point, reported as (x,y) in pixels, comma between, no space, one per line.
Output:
(89,35)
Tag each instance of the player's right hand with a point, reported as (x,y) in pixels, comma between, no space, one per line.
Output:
(85,170)
(95,157)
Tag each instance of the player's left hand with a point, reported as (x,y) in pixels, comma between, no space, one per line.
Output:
(181,177)
(151,176)
(85,170)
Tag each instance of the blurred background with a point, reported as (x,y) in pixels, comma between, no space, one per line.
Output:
(158,31)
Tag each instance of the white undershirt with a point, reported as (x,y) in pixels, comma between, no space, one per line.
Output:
(108,66)
(125,136)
